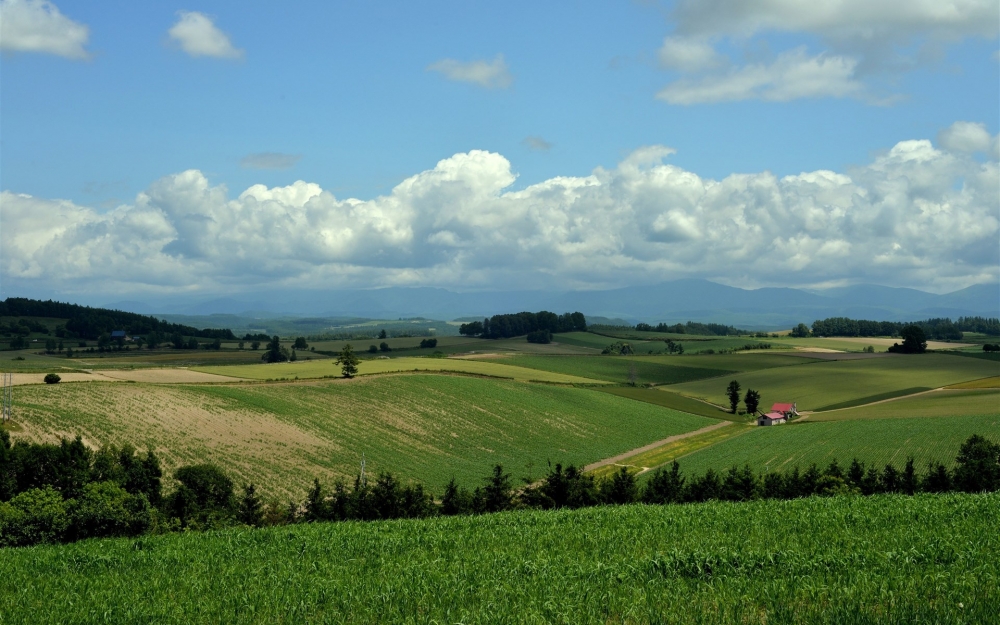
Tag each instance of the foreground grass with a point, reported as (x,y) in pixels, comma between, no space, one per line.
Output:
(821,384)
(877,441)
(424,427)
(328,368)
(886,559)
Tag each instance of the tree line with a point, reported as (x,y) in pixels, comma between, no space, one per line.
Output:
(691,327)
(90,323)
(522,323)
(60,493)
(936,329)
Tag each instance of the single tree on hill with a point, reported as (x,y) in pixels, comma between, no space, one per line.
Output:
(752,400)
(382,334)
(733,393)
(275,352)
(348,361)
(300,343)
(800,331)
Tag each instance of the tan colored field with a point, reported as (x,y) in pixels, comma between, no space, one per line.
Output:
(152,376)
(993,382)
(888,342)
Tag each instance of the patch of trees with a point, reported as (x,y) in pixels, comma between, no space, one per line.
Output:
(618,348)
(427,343)
(914,341)
(276,352)
(692,327)
(995,347)
(540,336)
(90,323)
(520,324)
(935,329)
(58,493)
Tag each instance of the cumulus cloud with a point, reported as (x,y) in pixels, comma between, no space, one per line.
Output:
(270,160)
(792,75)
(198,36)
(966,137)
(860,40)
(489,74)
(38,26)
(536,143)
(917,215)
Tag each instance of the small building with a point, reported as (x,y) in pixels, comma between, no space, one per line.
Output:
(789,410)
(119,335)
(771,418)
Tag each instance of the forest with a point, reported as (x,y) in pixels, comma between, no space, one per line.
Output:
(936,329)
(522,323)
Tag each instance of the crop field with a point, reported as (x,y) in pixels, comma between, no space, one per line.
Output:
(616,369)
(425,428)
(981,383)
(670,400)
(885,560)
(328,368)
(822,384)
(878,441)
(944,404)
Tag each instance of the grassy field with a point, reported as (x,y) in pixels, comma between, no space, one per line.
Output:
(426,428)
(878,441)
(944,404)
(981,383)
(885,560)
(616,369)
(327,368)
(822,384)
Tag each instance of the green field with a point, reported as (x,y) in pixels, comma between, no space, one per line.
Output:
(944,404)
(821,384)
(615,369)
(425,428)
(885,560)
(327,368)
(878,441)
(671,400)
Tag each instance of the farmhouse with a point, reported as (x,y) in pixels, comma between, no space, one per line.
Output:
(789,410)
(120,334)
(771,418)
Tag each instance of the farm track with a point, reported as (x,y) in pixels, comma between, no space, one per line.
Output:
(652,446)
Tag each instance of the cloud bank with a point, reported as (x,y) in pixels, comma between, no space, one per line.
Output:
(859,39)
(38,26)
(917,215)
(198,36)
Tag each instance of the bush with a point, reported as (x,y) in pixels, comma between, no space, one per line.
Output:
(35,516)
(107,509)
(372,349)
(52,378)
(429,343)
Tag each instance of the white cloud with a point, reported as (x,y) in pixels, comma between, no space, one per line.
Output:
(38,26)
(198,36)
(861,42)
(792,75)
(489,74)
(270,160)
(689,55)
(966,137)
(915,216)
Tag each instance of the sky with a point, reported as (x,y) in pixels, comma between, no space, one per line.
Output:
(210,148)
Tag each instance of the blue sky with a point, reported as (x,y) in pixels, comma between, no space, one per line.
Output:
(534,110)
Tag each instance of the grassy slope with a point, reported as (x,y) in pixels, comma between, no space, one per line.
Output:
(824,383)
(327,368)
(938,404)
(878,441)
(653,369)
(836,560)
(422,427)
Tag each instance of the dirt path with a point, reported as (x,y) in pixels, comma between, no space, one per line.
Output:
(639,450)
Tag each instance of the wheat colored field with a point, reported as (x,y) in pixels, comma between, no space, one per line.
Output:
(328,368)
(426,428)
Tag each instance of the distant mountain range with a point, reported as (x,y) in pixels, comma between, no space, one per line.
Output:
(676,301)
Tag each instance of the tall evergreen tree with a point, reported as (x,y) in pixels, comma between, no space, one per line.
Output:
(733,393)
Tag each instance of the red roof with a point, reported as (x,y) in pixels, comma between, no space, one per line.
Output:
(782,407)
(774,415)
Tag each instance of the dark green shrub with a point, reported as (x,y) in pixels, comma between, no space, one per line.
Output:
(35,516)
(52,378)
(107,509)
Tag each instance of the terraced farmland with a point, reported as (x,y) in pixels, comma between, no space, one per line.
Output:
(886,560)
(878,441)
(426,428)
(821,384)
